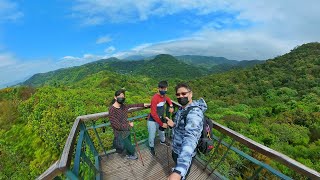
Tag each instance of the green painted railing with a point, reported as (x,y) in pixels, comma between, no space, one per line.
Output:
(81,159)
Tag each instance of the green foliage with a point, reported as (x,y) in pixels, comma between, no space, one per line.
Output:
(42,123)
(275,103)
(8,114)
(162,67)
(212,64)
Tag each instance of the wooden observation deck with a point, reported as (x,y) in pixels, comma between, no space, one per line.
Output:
(86,157)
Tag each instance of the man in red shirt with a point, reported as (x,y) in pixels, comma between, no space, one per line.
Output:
(156,120)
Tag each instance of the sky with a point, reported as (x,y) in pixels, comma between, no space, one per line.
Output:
(40,36)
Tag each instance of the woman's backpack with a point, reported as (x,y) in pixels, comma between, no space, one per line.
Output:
(205,143)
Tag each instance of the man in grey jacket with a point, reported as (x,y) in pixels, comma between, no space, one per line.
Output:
(186,131)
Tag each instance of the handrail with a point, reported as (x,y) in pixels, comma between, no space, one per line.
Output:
(295,165)
(62,165)
(51,172)
(65,157)
(65,160)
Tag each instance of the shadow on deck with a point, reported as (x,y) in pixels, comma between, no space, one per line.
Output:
(115,166)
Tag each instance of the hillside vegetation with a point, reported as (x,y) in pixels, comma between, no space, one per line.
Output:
(160,67)
(276,103)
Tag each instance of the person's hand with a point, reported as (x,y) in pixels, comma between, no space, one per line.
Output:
(131,124)
(171,109)
(174,176)
(164,125)
(170,122)
(146,104)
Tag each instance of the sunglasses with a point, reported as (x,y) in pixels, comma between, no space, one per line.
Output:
(182,93)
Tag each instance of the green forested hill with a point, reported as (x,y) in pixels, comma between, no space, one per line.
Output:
(298,70)
(160,67)
(276,103)
(68,76)
(205,61)
(166,66)
(217,64)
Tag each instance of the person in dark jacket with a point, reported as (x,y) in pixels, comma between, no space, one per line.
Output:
(118,116)
(186,131)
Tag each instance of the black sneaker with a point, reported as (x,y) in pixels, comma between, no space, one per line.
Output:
(152,151)
(165,143)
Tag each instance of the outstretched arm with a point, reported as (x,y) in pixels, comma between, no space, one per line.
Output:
(134,105)
(190,140)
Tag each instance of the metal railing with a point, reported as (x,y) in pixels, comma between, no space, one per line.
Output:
(303,171)
(84,153)
(80,157)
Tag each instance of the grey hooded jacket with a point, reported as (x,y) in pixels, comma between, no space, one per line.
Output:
(185,137)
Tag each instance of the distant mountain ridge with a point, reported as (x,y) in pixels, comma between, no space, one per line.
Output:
(298,69)
(205,60)
(162,66)
(217,64)
(202,61)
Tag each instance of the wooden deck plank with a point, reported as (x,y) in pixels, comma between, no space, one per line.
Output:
(116,167)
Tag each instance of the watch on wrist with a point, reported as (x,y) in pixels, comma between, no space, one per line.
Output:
(176,171)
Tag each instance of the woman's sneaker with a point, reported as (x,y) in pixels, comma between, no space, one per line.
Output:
(132,157)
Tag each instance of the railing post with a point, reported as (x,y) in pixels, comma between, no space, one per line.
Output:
(88,161)
(95,166)
(100,142)
(256,173)
(71,175)
(214,152)
(223,157)
(76,165)
(89,141)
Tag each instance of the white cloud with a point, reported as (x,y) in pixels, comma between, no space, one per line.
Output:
(6,59)
(235,45)
(16,70)
(89,56)
(272,29)
(141,47)
(69,61)
(70,58)
(110,49)
(13,69)
(101,11)
(9,11)
(230,44)
(103,39)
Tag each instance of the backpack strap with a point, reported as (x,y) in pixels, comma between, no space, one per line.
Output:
(185,114)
